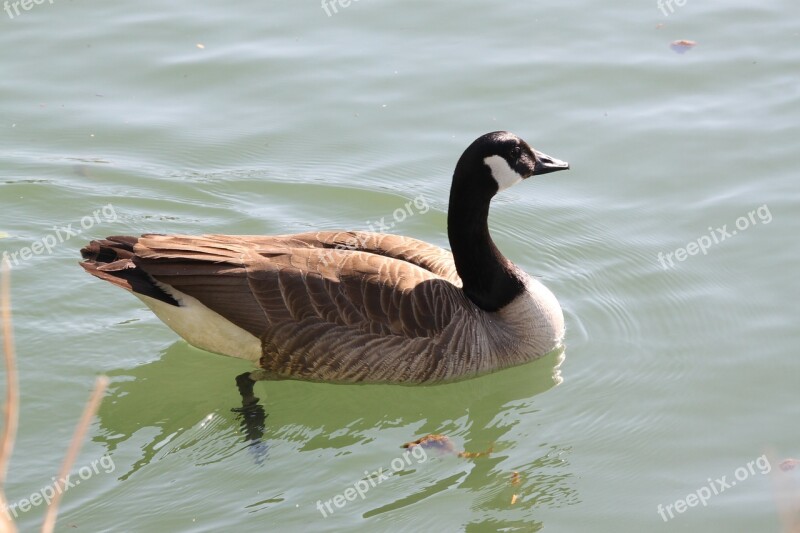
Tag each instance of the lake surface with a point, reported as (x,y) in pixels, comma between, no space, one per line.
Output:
(671,244)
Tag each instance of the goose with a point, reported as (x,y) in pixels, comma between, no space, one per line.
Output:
(354,306)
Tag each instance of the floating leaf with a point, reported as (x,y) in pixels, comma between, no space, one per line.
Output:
(682,46)
(789,464)
(443,444)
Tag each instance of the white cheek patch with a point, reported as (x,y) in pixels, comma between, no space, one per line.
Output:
(503,174)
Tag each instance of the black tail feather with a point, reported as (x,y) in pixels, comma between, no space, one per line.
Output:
(113,259)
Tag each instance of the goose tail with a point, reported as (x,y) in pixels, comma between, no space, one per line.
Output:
(113,259)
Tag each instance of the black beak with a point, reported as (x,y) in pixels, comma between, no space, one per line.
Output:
(545,164)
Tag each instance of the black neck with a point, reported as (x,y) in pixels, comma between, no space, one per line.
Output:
(489,279)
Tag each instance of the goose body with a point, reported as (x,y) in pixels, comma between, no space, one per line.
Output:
(354,306)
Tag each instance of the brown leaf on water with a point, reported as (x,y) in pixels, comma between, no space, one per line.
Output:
(682,45)
(789,464)
(440,443)
(443,444)
(473,455)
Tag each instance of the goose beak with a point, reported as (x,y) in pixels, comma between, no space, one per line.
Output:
(545,163)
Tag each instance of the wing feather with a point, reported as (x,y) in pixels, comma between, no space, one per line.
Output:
(375,284)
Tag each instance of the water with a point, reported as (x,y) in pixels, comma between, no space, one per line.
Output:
(277,118)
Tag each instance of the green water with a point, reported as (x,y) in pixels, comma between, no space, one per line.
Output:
(286,119)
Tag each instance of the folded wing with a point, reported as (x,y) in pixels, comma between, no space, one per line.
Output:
(374,283)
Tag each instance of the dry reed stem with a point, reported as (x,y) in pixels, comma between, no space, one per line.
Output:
(74,447)
(11,408)
(11,415)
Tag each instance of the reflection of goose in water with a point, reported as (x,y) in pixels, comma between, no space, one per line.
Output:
(155,414)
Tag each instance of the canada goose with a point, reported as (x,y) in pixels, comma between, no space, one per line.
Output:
(353,306)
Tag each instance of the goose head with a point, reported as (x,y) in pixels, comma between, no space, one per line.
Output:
(499,160)
(493,162)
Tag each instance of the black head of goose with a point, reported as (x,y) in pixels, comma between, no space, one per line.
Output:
(352,306)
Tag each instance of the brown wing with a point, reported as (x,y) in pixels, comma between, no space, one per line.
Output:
(372,283)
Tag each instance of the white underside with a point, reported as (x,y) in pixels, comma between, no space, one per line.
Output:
(202,327)
(534,318)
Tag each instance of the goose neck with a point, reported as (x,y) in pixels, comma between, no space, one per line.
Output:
(489,280)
